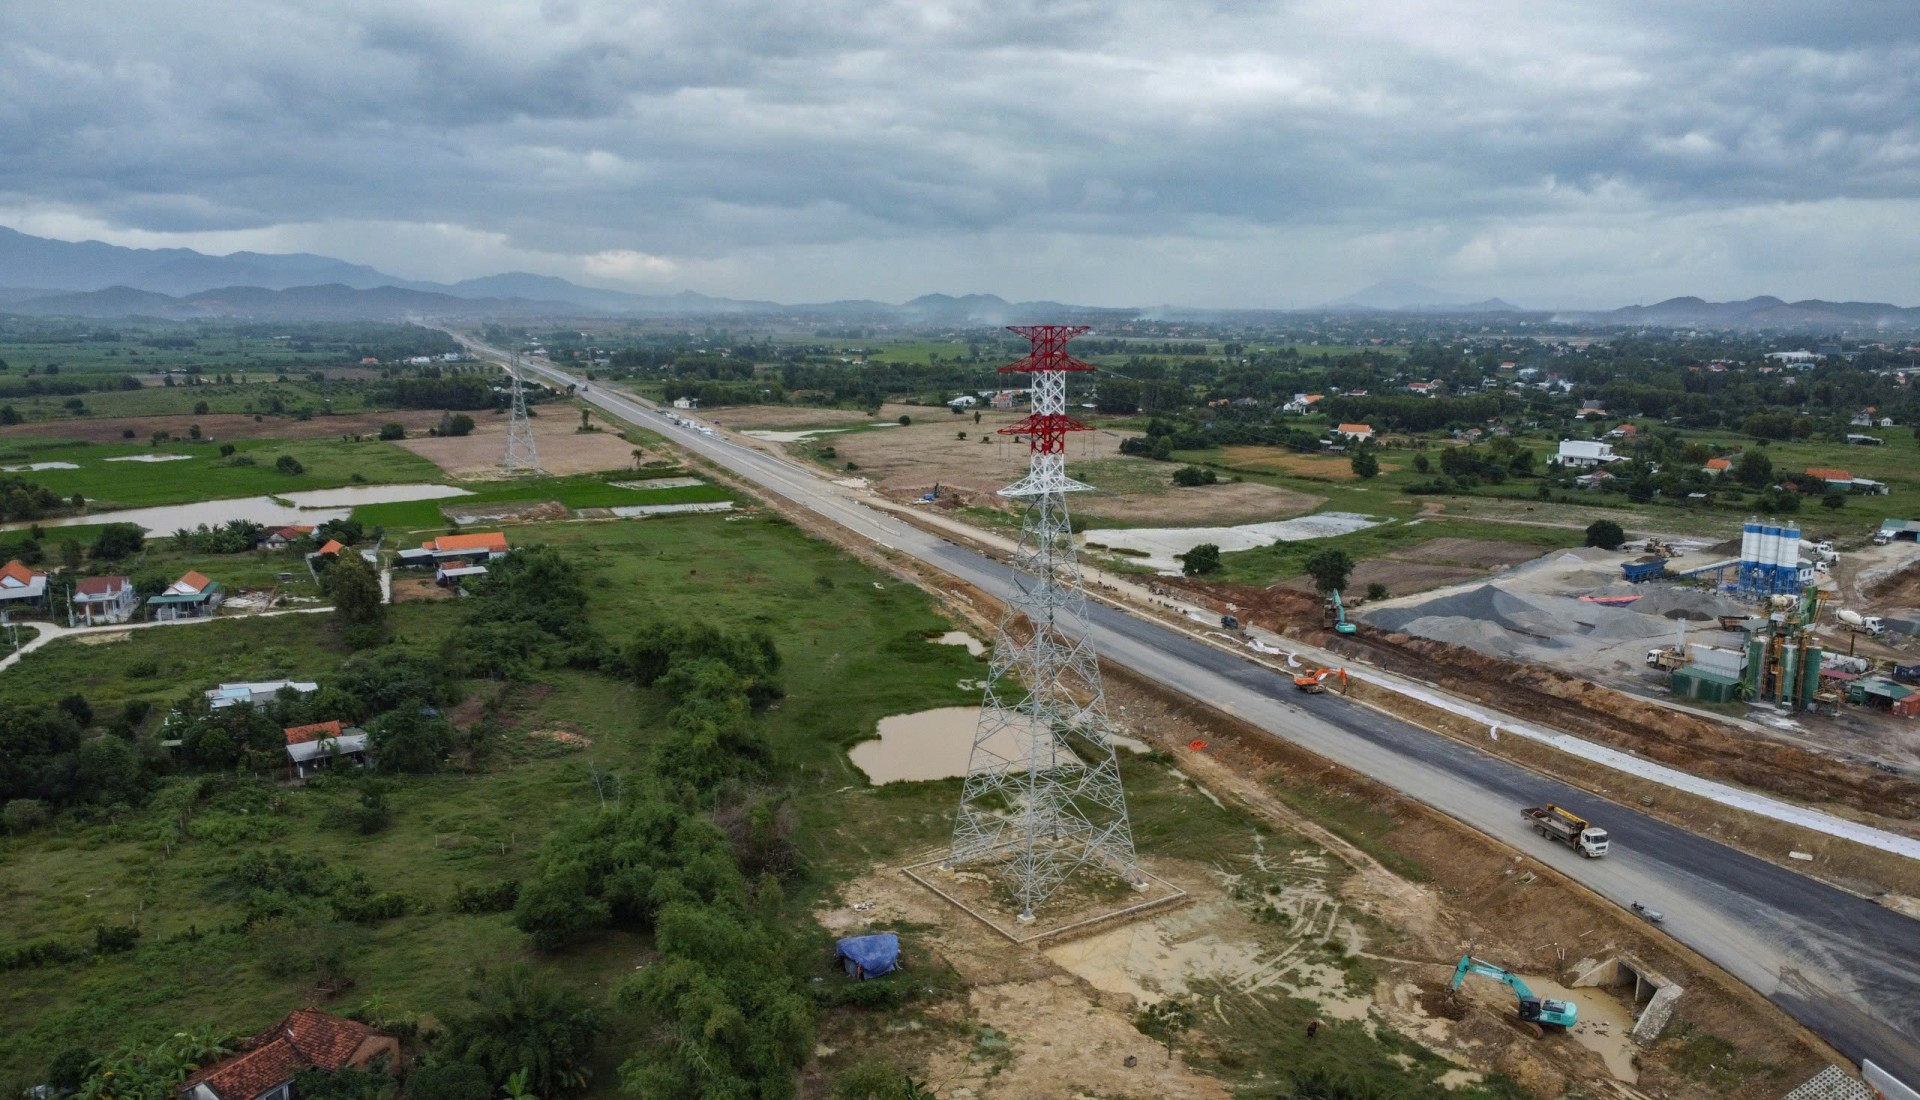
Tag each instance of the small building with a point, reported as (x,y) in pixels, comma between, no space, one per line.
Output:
(488,546)
(1705,685)
(1864,418)
(315,748)
(278,538)
(1624,431)
(1859,440)
(1875,691)
(1303,403)
(451,576)
(331,549)
(686,402)
(1595,480)
(21,586)
(308,1039)
(1359,433)
(252,693)
(1585,452)
(1835,479)
(193,596)
(102,600)
(964,401)
(1718,466)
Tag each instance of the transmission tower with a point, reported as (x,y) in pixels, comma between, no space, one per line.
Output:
(521,455)
(1042,794)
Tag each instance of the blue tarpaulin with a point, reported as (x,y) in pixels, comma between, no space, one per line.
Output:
(868,956)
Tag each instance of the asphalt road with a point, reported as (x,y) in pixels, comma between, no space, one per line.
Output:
(1846,968)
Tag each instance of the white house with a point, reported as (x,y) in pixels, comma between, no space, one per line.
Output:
(1303,403)
(21,585)
(686,402)
(98,600)
(1585,452)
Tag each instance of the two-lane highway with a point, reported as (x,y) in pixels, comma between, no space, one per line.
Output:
(1845,967)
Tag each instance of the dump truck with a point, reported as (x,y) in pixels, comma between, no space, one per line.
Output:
(1568,828)
(1667,658)
(1865,624)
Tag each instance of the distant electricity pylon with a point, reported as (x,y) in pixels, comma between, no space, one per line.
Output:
(521,455)
(1042,794)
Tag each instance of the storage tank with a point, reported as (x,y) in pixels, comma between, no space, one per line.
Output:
(1750,541)
(1790,546)
(1776,540)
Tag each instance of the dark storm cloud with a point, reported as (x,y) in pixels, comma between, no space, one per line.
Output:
(714,135)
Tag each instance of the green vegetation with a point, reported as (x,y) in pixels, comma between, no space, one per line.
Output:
(205,475)
(851,653)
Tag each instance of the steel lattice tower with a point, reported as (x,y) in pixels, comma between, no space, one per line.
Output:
(1042,793)
(521,455)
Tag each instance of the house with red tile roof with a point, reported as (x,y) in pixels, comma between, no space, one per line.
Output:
(455,557)
(331,549)
(316,747)
(102,600)
(1718,466)
(193,596)
(307,1039)
(1359,433)
(20,585)
(277,538)
(1835,479)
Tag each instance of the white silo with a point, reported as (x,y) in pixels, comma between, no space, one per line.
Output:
(1750,542)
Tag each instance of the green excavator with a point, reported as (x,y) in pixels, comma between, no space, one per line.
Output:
(1534,1010)
(1337,615)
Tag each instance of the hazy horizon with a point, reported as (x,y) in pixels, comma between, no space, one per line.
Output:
(1221,154)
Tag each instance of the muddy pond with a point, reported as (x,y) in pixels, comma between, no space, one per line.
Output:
(311,507)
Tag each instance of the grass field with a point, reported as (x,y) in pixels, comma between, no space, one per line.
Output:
(855,650)
(329,463)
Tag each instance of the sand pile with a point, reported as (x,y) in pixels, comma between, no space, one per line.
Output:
(1499,623)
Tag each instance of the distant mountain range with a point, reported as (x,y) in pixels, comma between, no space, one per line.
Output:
(1399,296)
(39,275)
(1756,313)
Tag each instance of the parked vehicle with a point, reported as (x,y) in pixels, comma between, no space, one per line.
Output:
(1654,915)
(1568,828)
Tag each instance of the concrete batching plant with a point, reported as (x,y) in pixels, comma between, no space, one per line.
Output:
(1770,558)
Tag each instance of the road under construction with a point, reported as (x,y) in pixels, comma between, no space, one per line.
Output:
(1843,966)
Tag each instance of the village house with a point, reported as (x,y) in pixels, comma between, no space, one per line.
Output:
(1303,403)
(1718,466)
(308,1039)
(1359,433)
(686,402)
(964,401)
(1425,389)
(1595,480)
(315,747)
(193,596)
(1624,431)
(21,586)
(331,549)
(254,692)
(102,600)
(278,538)
(1592,408)
(1835,479)
(1585,452)
(455,558)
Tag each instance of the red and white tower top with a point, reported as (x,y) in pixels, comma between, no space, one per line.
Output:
(1047,425)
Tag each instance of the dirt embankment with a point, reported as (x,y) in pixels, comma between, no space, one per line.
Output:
(1580,707)
(1480,896)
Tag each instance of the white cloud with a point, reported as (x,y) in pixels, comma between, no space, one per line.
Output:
(1207,152)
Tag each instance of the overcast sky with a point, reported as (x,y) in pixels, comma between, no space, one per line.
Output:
(1117,152)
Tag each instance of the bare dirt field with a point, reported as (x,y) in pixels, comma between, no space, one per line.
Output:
(1328,467)
(113,429)
(1429,565)
(563,448)
(905,462)
(418,586)
(753,418)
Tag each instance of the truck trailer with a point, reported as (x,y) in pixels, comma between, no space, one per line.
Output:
(1568,828)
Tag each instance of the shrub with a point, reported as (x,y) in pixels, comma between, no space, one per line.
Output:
(393,431)
(112,940)
(1605,534)
(1194,475)
(1204,558)
(24,815)
(289,465)
(1376,591)
(496,898)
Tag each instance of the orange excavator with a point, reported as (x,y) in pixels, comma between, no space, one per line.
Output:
(1314,679)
